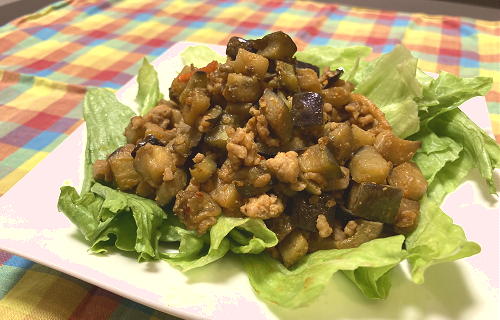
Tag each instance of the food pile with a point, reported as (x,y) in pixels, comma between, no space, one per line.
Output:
(267,136)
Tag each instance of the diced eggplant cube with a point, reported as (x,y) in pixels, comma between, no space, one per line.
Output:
(121,164)
(287,77)
(319,159)
(365,231)
(395,149)
(281,226)
(293,248)
(217,137)
(375,202)
(277,115)
(277,45)
(240,88)
(407,218)
(305,210)
(307,109)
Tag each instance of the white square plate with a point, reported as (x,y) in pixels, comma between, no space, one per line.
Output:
(31,226)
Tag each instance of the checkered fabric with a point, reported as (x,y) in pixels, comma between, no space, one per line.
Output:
(47,59)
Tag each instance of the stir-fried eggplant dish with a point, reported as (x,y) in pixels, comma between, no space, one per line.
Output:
(267,136)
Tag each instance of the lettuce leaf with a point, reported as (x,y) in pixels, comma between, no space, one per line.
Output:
(200,56)
(302,283)
(84,211)
(374,282)
(106,119)
(107,217)
(194,252)
(148,94)
(146,214)
(449,177)
(327,56)
(428,98)
(390,82)
(436,240)
(450,91)
(403,117)
(485,152)
(435,153)
(389,78)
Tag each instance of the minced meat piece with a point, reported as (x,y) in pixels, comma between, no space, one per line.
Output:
(350,228)
(285,166)
(323,227)
(263,207)
(258,123)
(135,131)
(360,108)
(262,180)
(226,172)
(165,115)
(241,148)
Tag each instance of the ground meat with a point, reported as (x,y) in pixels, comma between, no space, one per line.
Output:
(209,120)
(327,107)
(217,80)
(135,130)
(323,227)
(263,207)
(226,172)
(165,115)
(258,123)
(196,209)
(366,115)
(316,178)
(186,138)
(205,124)
(198,158)
(338,231)
(285,166)
(262,180)
(242,149)
(341,183)
(350,228)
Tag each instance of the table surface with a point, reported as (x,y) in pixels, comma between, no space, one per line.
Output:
(49,58)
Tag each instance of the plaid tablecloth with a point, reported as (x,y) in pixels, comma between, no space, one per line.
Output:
(47,59)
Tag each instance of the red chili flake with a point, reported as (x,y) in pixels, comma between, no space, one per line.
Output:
(209,68)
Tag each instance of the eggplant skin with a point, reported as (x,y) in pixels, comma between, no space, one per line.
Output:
(277,46)
(307,109)
(304,65)
(236,43)
(305,210)
(333,76)
(151,139)
(365,231)
(375,202)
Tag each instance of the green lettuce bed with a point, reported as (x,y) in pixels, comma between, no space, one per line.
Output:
(418,108)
